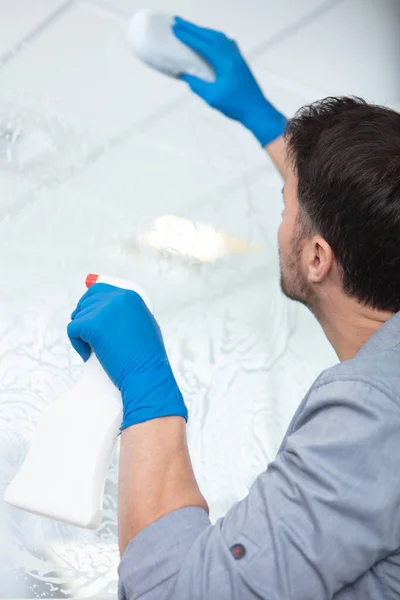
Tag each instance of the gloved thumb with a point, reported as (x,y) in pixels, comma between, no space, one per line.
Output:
(197,85)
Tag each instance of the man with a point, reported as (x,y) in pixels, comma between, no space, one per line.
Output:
(324,520)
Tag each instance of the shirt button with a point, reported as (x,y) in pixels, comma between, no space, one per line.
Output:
(238,551)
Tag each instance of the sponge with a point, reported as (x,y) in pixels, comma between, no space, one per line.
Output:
(152,40)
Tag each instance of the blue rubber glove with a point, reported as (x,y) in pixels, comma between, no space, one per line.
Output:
(235,92)
(117,325)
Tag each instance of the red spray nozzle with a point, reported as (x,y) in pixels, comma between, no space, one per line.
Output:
(91,279)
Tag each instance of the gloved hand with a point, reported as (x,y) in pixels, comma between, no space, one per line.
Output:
(117,325)
(235,91)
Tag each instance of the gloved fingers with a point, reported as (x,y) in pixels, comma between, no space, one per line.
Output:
(79,345)
(206,48)
(197,85)
(88,305)
(82,330)
(98,288)
(219,40)
(86,314)
(84,302)
(78,308)
(95,290)
(211,34)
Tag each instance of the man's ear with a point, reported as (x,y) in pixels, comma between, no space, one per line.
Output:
(319,258)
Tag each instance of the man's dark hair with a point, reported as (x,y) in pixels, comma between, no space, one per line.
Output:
(346,155)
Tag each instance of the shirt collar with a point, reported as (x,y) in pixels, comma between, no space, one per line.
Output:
(387,336)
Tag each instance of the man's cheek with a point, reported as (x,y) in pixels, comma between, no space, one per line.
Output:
(282,237)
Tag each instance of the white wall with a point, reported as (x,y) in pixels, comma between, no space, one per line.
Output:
(102,146)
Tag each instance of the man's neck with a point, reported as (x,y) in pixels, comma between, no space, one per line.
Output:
(349,325)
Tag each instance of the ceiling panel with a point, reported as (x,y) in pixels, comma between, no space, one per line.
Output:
(19,19)
(39,151)
(251,22)
(352,49)
(81,69)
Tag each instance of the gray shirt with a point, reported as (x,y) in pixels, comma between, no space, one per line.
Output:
(322,522)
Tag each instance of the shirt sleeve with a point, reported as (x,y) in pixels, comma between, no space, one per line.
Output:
(325,511)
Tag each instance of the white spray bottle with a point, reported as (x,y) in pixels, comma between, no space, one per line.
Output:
(64,472)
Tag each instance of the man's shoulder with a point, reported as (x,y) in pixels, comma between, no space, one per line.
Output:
(367,384)
(379,370)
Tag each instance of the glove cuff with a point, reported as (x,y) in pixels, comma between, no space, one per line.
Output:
(266,123)
(151,395)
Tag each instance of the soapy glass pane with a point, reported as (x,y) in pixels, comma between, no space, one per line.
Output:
(188,206)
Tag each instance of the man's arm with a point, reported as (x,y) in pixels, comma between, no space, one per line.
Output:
(277,152)
(324,512)
(155,475)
